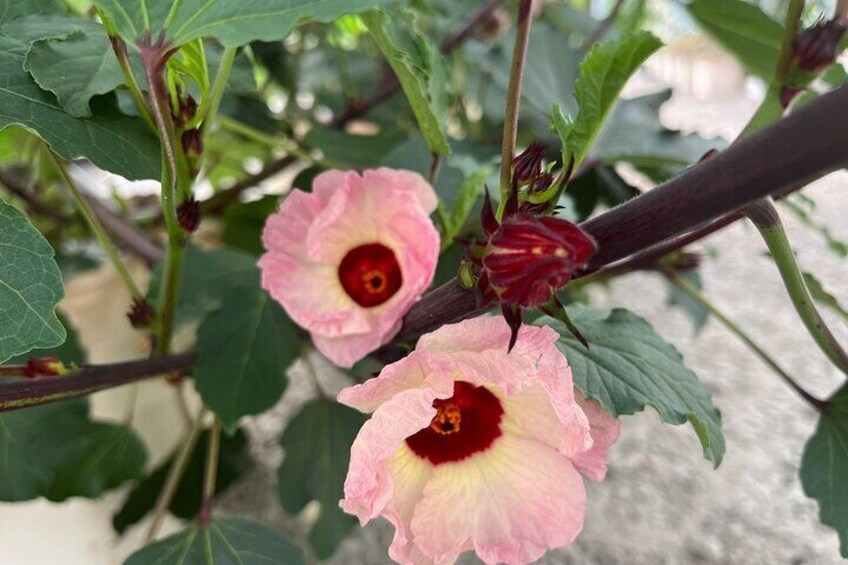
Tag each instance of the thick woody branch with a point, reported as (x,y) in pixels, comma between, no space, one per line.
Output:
(86,380)
(773,162)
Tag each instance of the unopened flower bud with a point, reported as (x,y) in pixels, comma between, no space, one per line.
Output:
(44,367)
(192,143)
(528,164)
(141,314)
(187,110)
(188,214)
(817,47)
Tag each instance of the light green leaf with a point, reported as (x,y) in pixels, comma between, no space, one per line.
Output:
(75,69)
(57,451)
(30,287)
(420,71)
(243,350)
(317,447)
(603,74)
(228,540)
(233,23)
(111,140)
(824,466)
(820,294)
(628,366)
(454,214)
(744,29)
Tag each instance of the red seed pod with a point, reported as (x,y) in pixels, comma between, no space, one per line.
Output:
(188,214)
(528,258)
(528,164)
(817,47)
(141,314)
(44,367)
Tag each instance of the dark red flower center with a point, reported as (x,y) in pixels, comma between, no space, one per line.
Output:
(370,274)
(466,423)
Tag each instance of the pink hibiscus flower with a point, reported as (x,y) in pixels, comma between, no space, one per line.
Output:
(471,448)
(349,259)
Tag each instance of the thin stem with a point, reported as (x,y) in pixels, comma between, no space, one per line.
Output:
(175,475)
(210,475)
(119,46)
(513,99)
(86,380)
(174,178)
(209,109)
(787,50)
(701,299)
(94,223)
(767,220)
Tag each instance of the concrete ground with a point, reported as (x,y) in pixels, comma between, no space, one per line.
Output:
(661,502)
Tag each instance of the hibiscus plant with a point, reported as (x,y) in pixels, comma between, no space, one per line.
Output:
(422,192)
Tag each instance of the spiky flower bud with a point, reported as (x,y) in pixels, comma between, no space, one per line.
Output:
(817,47)
(188,214)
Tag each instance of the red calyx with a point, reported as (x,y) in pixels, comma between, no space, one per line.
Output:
(817,47)
(44,367)
(188,214)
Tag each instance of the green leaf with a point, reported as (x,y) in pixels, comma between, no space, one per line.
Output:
(824,466)
(57,451)
(111,140)
(628,366)
(317,447)
(600,185)
(227,540)
(419,68)
(634,133)
(30,287)
(75,69)
(243,350)
(13,8)
(233,462)
(70,352)
(820,294)
(244,222)
(456,213)
(745,30)
(233,23)
(207,277)
(603,74)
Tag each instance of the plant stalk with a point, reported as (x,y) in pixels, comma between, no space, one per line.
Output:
(513,99)
(701,299)
(175,475)
(96,227)
(210,475)
(765,217)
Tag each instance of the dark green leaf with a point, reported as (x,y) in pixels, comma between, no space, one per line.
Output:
(634,133)
(232,23)
(30,287)
(347,150)
(228,540)
(75,69)
(599,186)
(603,74)
(820,294)
(745,30)
(234,461)
(70,352)
(628,366)
(317,446)
(243,350)
(243,223)
(13,8)
(57,451)
(824,466)
(208,276)
(420,70)
(111,140)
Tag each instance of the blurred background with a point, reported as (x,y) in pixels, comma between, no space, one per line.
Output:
(661,502)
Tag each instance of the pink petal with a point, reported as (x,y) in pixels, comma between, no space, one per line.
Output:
(509,504)
(605,431)
(408,180)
